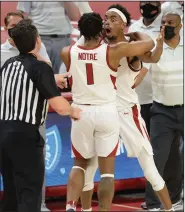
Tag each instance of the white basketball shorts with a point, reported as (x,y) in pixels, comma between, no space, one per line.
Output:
(96,133)
(133,131)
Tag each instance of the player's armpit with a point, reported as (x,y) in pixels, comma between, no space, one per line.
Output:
(146,58)
(134,63)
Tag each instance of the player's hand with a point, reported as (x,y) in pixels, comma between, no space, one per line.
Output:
(160,38)
(75,113)
(61,80)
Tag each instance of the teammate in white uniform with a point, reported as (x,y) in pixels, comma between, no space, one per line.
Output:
(132,126)
(93,67)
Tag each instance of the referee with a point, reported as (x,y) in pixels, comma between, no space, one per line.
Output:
(28,85)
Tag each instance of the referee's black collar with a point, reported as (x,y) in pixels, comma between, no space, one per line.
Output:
(28,54)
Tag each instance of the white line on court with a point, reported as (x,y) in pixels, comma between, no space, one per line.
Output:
(122,205)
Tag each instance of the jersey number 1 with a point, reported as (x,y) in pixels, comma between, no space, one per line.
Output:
(89,73)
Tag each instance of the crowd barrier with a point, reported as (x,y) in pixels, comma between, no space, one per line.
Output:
(58,159)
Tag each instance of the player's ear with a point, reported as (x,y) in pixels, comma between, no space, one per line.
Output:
(123,25)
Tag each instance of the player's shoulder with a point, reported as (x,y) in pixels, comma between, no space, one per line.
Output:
(65,52)
(66,49)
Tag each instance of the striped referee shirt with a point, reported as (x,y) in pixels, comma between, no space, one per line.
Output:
(27,84)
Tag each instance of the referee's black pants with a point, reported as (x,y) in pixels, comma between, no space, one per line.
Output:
(145,113)
(22,167)
(166,129)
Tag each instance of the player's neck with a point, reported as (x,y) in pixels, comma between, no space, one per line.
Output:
(92,43)
(120,38)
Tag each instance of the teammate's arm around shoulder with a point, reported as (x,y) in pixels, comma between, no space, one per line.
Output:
(154,55)
(141,45)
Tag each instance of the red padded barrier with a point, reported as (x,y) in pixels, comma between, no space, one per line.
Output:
(120,185)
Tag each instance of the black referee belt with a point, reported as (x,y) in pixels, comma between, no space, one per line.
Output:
(56,36)
(170,106)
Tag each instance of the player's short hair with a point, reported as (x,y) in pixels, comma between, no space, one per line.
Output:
(123,10)
(90,25)
(17,13)
(24,35)
(158,2)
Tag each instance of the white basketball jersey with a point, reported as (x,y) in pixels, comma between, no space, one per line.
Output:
(126,94)
(93,81)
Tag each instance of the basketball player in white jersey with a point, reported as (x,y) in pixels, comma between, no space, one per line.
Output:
(132,127)
(93,67)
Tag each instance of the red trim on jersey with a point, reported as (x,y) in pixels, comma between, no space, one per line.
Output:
(102,39)
(105,40)
(76,153)
(113,79)
(146,132)
(133,86)
(85,48)
(132,68)
(69,65)
(70,81)
(135,114)
(114,151)
(69,57)
(107,58)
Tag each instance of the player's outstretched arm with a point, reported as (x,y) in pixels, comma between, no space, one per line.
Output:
(124,49)
(141,45)
(154,56)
